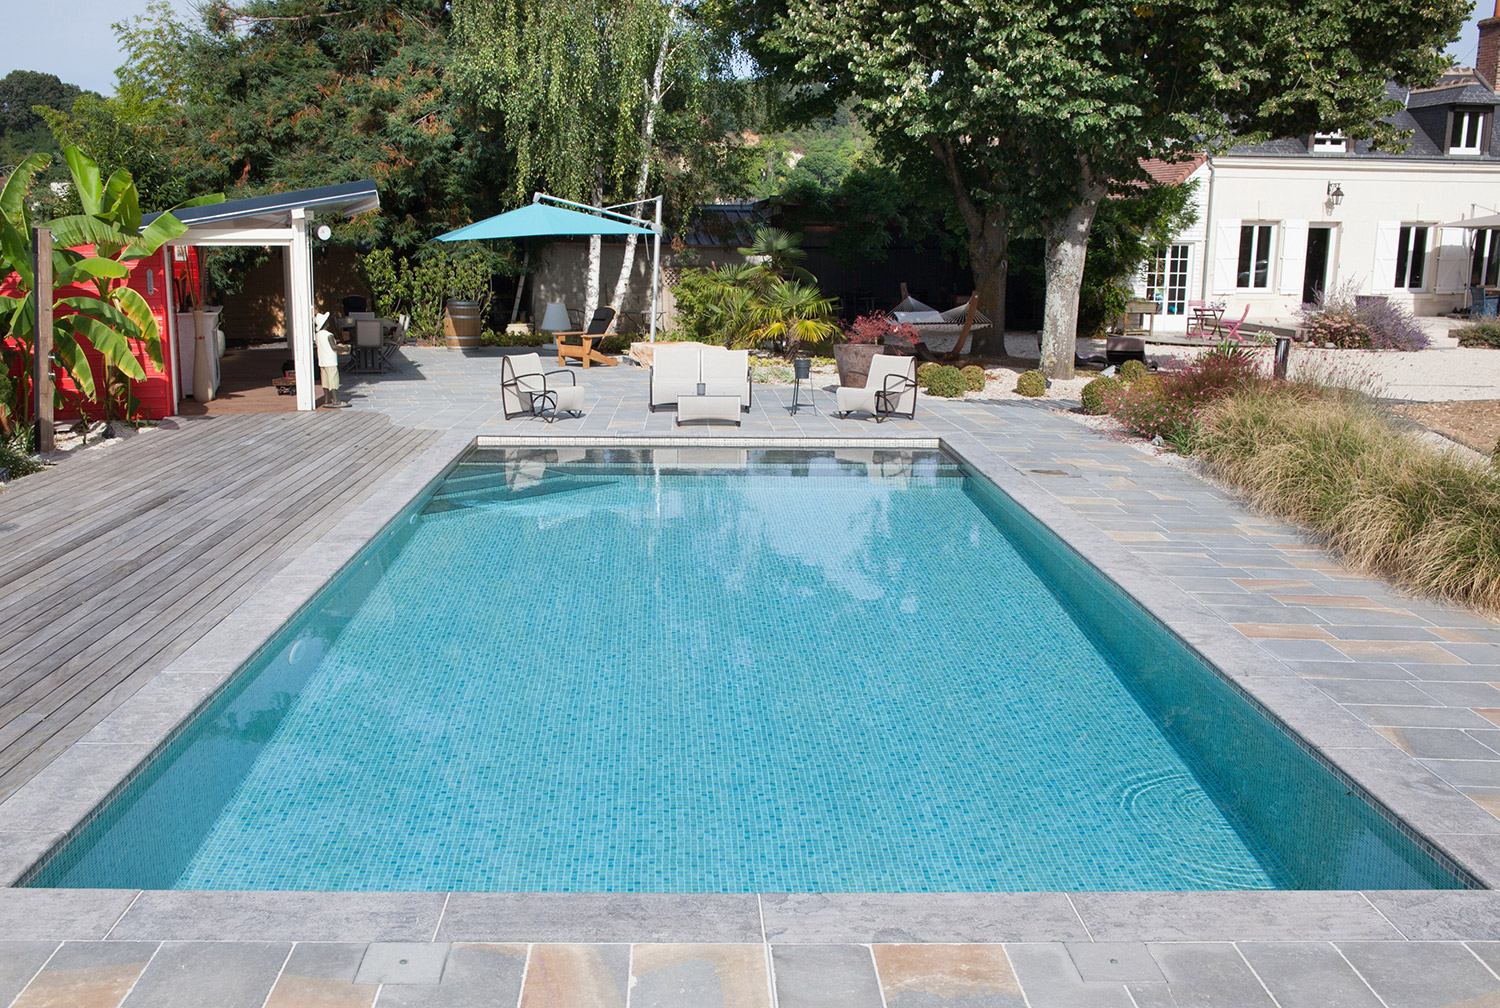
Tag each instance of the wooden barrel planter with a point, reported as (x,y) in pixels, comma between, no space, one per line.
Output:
(853,360)
(462,325)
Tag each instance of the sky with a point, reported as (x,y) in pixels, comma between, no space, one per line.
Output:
(81,49)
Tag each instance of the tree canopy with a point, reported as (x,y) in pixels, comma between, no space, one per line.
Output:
(1032,109)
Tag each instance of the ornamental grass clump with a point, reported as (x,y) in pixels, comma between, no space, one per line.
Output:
(975,376)
(1333,460)
(1484,333)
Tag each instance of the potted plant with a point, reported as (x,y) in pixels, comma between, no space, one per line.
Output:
(866,337)
(469,291)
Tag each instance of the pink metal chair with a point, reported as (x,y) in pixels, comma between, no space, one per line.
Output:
(1233,333)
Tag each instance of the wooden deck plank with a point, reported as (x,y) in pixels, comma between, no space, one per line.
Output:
(114,563)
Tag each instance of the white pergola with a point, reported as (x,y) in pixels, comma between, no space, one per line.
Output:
(284,220)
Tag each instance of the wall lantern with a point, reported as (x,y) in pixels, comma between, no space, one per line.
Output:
(1335,194)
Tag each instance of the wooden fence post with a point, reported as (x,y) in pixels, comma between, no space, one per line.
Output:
(41,385)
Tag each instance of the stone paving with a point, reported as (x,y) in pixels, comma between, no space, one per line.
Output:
(1396,691)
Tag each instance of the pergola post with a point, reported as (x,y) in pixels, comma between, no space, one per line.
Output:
(300,307)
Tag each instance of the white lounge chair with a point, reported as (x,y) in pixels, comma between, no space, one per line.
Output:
(526,388)
(674,372)
(677,369)
(726,372)
(890,389)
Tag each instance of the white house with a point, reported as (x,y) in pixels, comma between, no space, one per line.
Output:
(1281,221)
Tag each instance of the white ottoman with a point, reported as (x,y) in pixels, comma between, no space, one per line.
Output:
(708,407)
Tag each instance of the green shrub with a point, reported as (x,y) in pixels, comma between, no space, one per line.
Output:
(15,454)
(1133,370)
(1098,394)
(924,371)
(947,381)
(975,376)
(1484,333)
(1333,460)
(1031,383)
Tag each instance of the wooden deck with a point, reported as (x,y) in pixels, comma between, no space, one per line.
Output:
(116,561)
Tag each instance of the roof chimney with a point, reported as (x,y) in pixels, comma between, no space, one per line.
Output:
(1487,63)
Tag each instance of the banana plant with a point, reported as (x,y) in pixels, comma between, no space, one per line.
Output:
(112,318)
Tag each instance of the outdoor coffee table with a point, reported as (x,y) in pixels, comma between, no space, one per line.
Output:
(708,407)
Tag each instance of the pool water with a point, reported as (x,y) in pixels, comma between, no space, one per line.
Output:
(730,670)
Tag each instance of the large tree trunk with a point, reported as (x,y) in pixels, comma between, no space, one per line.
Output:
(1067,248)
(989,249)
(648,131)
(989,258)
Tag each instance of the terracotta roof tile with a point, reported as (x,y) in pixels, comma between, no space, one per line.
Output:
(1172,172)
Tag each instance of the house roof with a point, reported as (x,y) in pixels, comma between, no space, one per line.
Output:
(1456,94)
(1172,172)
(275,210)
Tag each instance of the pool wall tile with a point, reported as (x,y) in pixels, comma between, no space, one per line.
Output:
(601,917)
(280,916)
(1231,916)
(920,917)
(61,913)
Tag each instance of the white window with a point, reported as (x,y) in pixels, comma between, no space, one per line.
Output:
(1411,257)
(1330,142)
(1486,268)
(1468,135)
(1255,256)
(1166,279)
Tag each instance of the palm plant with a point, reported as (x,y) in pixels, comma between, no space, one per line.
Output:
(790,313)
(112,318)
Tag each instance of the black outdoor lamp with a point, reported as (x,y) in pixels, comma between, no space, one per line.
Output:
(1335,194)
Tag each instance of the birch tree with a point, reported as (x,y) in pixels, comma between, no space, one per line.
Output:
(1035,108)
(576,91)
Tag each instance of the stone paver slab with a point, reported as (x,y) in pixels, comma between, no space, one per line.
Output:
(1230,916)
(1210,974)
(222,974)
(19,962)
(825,976)
(473,976)
(920,917)
(700,976)
(1117,962)
(281,916)
(87,975)
(1048,979)
(592,918)
(1424,915)
(1308,975)
(947,976)
(577,976)
(1423,974)
(61,913)
(321,975)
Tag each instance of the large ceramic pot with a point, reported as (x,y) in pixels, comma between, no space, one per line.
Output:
(853,360)
(461,324)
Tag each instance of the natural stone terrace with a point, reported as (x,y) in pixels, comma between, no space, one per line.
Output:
(1395,691)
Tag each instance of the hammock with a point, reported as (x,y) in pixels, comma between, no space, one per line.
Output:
(940,331)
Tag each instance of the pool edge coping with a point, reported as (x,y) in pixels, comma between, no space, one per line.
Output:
(94,768)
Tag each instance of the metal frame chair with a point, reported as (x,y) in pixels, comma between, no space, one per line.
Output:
(884,401)
(530,387)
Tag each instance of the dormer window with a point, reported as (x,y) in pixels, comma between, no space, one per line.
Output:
(1329,143)
(1470,131)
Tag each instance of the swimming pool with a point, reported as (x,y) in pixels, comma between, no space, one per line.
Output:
(730,670)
